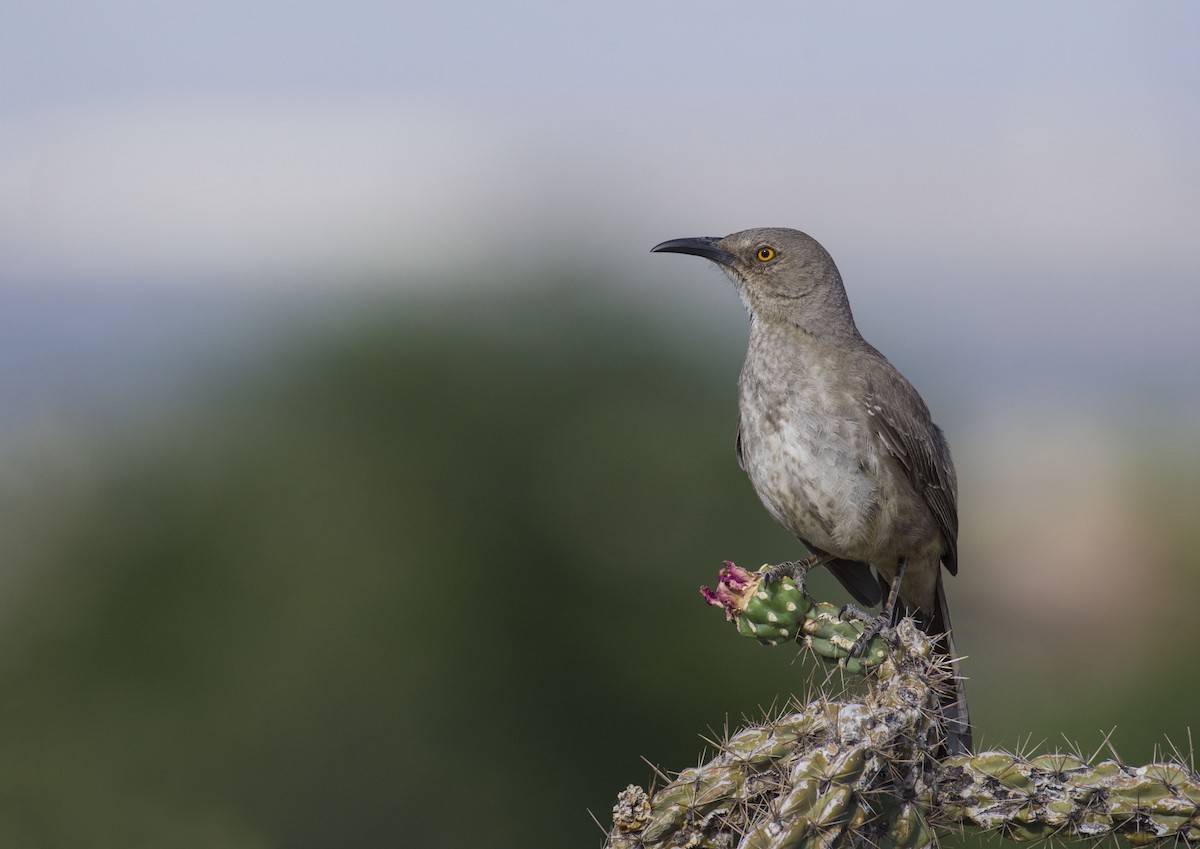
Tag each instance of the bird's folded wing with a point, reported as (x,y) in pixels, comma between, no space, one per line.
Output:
(922,452)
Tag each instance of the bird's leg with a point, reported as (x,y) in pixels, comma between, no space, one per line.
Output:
(796,569)
(894,591)
(853,611)
(884,619)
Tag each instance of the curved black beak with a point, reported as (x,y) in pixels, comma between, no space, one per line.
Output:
(705,246)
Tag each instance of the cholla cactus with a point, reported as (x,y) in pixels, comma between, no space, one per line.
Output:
(864,772)
(779,611)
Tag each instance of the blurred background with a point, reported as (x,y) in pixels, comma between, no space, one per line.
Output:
(359,465)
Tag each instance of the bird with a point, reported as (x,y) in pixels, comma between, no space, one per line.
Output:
(837,444)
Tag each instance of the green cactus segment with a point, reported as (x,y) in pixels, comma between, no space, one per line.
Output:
(830,636)
(1061,795)
(773,612)
(909,829)
(798,783)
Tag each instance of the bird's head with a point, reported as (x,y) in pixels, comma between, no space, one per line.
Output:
(780,274)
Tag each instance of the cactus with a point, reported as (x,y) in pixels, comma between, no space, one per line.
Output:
(777,611)
(863,770)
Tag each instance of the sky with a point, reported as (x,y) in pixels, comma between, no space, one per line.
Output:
(235,141)
(1016,182)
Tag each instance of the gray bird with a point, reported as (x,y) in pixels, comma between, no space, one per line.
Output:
(836,442)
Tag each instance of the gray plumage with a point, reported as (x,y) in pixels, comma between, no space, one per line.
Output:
(836,442)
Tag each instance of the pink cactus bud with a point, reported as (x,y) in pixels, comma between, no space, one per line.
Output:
(735,586)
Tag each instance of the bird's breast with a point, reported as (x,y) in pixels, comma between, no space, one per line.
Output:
(806,464)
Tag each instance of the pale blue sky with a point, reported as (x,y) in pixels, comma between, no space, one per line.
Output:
(239,139)
(59,54)
(1018,178)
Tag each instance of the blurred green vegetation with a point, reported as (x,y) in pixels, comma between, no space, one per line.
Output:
(427,578)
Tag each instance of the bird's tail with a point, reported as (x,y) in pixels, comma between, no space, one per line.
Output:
(955,718)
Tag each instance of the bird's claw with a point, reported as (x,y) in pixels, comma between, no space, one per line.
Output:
(874,625)
(797,570)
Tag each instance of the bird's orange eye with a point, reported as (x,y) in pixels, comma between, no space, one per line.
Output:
(766,254)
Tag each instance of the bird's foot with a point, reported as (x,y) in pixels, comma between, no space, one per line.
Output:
(797,570)
(872,627)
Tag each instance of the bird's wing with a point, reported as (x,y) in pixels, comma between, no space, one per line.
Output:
(901,421)
(857,578)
